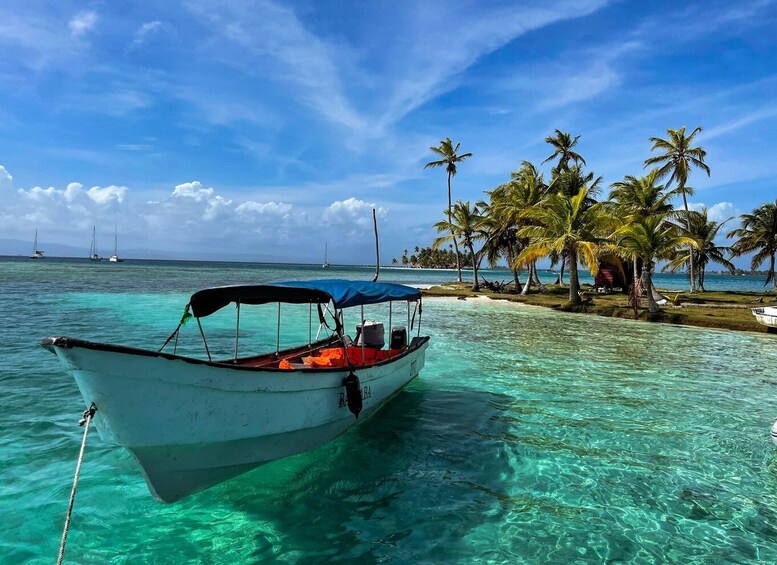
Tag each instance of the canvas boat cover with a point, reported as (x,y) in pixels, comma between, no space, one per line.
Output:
(343,293)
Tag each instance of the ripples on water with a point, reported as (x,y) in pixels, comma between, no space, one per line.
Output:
(530,436)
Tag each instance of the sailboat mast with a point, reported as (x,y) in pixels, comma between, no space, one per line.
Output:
(116,242)
(35,244)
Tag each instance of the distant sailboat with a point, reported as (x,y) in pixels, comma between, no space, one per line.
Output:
(93,256)
(326,263)
(36,253)
(115,257)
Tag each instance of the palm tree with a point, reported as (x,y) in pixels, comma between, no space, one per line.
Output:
(499,237)
(758,234)
(450,157)
(466,224)
(394,261)
(568,225)
(651,238)
(640,197)
(704,232)
(676,162)
(569,180)
(510,201)
(562,144)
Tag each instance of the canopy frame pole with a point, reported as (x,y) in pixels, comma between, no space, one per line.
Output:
(389,347)
(310,324)
(237,328)
(202,333)
(321,325)
(339,331)
(412,321)
(361,335)
(408,318)
(420,312)
(278,333)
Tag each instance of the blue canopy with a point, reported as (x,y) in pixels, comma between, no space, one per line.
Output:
(347,293)
(343,293)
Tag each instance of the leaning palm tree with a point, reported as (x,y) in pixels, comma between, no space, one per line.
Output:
(704,231)
(568,225)
(500,240)
(652,238)
(449,158)
(510,201)
(758,234)
(563,144)
(465,224)
(676,162)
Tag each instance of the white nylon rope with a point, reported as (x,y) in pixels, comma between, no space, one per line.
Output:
(86,420)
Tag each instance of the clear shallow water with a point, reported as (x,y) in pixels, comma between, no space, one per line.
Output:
(531,436)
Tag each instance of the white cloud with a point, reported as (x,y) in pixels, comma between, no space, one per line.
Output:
(351,211)
(718,212)
(82,23)
(6,180)
(250,207)
(192,190)
(107,194)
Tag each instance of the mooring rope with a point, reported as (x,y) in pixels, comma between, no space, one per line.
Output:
(87,418)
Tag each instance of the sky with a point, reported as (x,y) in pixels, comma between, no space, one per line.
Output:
(263,130)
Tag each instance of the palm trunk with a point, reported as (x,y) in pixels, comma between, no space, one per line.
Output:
(455,243)
(476,285)
(690,248)
(771,271)
(701,269)
(527,286)
(514,269)
(561,273)
(647,276)
(574,281)
(536,276)
(636,271)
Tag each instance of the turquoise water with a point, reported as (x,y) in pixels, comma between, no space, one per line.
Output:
(531,436)
(244,271)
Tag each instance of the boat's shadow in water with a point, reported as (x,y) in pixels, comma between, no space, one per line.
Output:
(425,457)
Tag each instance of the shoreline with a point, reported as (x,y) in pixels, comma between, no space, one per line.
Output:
(728,310)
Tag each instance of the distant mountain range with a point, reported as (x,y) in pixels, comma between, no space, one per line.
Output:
(24,248)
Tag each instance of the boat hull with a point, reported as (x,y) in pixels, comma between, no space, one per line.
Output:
(192,424)
(766,316)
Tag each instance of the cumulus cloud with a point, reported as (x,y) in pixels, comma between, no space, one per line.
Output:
(351,211)
(190,217)
(192,204)
(192,190)
(82,23)
(718,212)
(249,208)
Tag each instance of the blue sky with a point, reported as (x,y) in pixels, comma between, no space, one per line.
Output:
(267,128)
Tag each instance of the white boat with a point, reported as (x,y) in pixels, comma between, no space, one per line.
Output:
(36,253)
(193,423)
(115,257)
(325,264)
(766,316)
(93,256)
